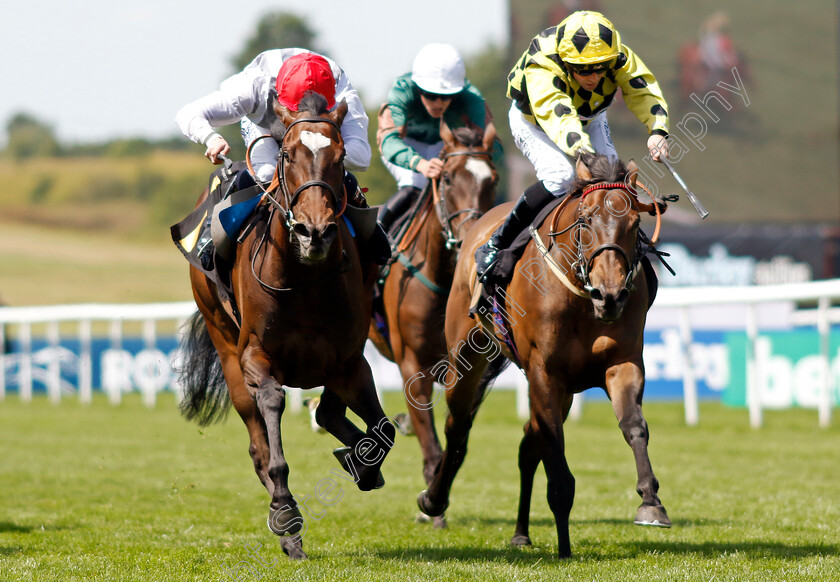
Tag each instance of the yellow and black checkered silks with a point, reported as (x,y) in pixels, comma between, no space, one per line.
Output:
(548,95)
(586,38)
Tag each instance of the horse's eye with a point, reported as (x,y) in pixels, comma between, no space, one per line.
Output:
(446,178)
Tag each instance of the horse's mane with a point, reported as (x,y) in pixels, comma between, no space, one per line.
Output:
(602,168)
(469,136)
(313,103)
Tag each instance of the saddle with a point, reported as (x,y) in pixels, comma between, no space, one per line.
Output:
(225,216)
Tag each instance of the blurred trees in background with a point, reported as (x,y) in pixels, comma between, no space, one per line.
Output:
(276,30)
(30,138)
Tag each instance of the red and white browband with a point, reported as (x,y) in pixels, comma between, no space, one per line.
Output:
(608,186)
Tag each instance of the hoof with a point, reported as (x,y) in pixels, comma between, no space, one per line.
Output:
(404,424)
(293,547)
(422,518)
(345,457)
(286,521)
(439,521)
(427,507)
(652,515)
(312,405)
(519,540)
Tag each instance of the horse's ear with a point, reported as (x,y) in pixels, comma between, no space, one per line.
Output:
(632,174)
(582,170)
(489,137)
(284,114)
(446,134)
(339,112)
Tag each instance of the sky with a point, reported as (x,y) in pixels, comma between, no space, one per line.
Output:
(101,69)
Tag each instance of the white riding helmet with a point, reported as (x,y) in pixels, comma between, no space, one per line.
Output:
(439,68)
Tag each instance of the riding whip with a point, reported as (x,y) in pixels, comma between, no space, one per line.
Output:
(691,197)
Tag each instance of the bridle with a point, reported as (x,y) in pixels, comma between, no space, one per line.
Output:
(583,264)
(279,183)
(451,233)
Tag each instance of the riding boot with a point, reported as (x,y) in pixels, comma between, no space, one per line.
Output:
(396,206)
(524,212)
(376,246)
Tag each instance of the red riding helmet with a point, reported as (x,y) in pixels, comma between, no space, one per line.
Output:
(302,73)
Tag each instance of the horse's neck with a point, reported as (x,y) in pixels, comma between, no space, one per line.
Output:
(439,259)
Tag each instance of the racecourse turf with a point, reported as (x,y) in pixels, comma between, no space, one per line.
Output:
(124,492)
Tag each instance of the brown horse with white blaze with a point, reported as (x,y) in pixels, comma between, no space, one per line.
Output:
(417,286)
(575,312)
(304,297)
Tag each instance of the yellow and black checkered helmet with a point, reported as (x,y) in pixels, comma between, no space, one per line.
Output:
(586,38)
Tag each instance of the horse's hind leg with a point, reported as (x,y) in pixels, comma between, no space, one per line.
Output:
(244,404)
(529,460)
(624,384)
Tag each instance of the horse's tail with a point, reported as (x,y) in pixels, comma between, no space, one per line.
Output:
(204,396)
(496,366)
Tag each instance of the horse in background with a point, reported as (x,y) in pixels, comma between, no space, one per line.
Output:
(305,302)
(573,316)
(417,285)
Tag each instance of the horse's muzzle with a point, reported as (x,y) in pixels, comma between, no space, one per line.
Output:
(609,305)
(315,240)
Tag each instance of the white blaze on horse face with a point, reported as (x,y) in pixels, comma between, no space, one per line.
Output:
(480,169)
(314,141)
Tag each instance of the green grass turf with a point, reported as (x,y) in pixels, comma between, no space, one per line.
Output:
(130,493)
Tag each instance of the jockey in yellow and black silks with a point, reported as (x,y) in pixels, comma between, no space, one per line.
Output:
(561,88)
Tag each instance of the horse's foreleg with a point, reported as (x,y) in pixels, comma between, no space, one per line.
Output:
(463,382)
(284,516)
(355,387)
(625,383)
(418,388)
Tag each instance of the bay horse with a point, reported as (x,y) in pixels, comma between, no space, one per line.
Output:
(579,326)
(305,302)
(417,286)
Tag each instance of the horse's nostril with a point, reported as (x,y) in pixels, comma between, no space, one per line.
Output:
(330,231)
(596,295)
(301,230)
(623,295)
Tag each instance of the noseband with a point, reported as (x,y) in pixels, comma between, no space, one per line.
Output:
(444,216)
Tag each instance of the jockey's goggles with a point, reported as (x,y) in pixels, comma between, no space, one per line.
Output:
(435,96)
(586,70)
